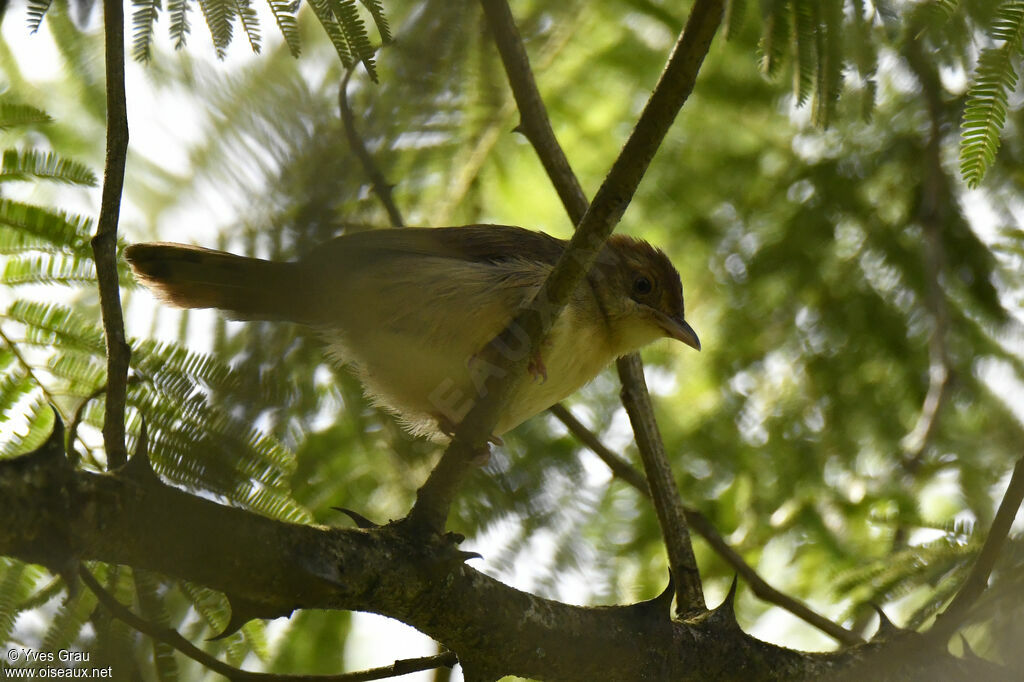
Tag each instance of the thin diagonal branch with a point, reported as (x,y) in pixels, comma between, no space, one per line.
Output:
(704,528)
(104,243)
(534,122)
(950,619)
(29,370)
(668,504)
(50,397)
(173,638)
(533,322)
(675,84)
(381,187)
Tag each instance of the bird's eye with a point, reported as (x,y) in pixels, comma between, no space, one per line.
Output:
(642,285)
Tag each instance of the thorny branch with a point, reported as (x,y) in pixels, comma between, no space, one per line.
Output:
(269,568)
(104,242)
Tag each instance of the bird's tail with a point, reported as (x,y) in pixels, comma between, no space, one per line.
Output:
(246,288)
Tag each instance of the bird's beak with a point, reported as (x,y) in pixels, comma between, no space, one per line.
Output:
(680,330)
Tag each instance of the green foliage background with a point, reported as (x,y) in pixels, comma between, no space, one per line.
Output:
(795,194)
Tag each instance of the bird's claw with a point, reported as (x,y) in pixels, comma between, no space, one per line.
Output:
(537,369)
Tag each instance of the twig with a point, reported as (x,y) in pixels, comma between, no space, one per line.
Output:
(434,498)
(104,243)
(174,639)
(704,528)
(29,370)
(534,122)
(50,397)
(381,187)
(672,90)
(76,421)
(977,579)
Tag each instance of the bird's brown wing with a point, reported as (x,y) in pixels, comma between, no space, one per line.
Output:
(477,243)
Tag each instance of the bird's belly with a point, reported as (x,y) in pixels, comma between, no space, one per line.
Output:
(572,356)
(435,383)
(421,383)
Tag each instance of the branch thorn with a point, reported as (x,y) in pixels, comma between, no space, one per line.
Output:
(886,628)
(242,611)
(138,468)
(357,518)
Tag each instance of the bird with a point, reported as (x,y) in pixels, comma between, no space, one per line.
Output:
(410,310)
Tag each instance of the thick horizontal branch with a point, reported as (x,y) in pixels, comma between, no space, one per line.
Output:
(54,515)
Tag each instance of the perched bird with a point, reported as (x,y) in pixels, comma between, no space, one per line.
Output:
(410,309)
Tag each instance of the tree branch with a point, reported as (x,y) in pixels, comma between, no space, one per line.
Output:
(174,639)
(668,504)
(381,187)
(950,620)
(673,88)
(704,528)
(55,515)
(534,122)
(104,243)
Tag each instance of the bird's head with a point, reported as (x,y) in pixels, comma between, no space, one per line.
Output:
(641,294)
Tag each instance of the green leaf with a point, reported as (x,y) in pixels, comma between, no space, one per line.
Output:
(30,223)
(775,36)
(828,83)
(179,27)
(16,582)
(54,325)
(219,14)
(250,23)
(325,15)
(733,19)
(376,10)
(153,608)
(40,425)
(20,165)
(805,53)
(13,114)
(281,10)
(1008,24)
(143,18)
(985,112)
(355,34)
(53,269)
(36,11)
(14,386)
(71,617)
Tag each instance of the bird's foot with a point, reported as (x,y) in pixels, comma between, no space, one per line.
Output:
(537,369)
